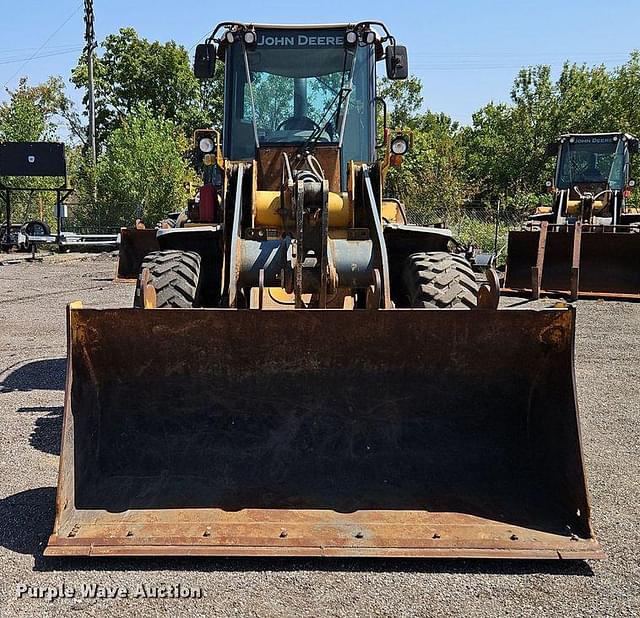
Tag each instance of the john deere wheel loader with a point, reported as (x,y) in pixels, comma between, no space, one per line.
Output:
(390,411)
(587,244)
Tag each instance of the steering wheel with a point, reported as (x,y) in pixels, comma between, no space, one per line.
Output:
(300,123)
(595,198)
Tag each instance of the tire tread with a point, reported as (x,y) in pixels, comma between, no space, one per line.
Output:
(175,277)
(441,280)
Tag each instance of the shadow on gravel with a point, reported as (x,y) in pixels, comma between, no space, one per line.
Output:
(27,521)
(48,428)
(331,565)
(47,374)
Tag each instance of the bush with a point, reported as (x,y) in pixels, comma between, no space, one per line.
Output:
(142,173)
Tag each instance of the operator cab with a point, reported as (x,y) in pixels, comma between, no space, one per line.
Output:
(594,162)
(305,89)
(592,179)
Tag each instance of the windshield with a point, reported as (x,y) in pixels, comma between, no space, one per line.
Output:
(304,86)
(593,160)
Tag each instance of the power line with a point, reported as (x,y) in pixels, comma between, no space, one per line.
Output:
(28,60)
(4,50)
(206,34)
(519,54)
(46,55)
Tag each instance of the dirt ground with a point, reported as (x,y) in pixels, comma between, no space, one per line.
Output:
(32,368)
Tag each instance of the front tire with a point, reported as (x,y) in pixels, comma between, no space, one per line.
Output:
(439,280)
(175,276)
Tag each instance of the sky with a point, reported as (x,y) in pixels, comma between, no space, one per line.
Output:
(466,52)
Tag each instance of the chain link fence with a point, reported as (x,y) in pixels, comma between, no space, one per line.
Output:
(90,219)
(486,226)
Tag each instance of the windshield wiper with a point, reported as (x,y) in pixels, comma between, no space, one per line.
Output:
(316,134)
(343,96)
(253,102)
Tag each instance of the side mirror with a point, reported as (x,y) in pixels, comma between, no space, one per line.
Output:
(397,62)
(204,65)
(634,146)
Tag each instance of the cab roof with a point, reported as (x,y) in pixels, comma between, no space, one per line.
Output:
(566,136)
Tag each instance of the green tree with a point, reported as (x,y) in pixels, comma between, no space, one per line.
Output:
(585,96)
(430,179)
(404,99)
(141,172)
(506,144)
(134,71)
(32,114)
(623,109)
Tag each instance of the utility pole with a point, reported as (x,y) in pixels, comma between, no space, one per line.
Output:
(90,47)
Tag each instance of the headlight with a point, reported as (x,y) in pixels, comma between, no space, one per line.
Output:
(400,146)
(206,145)
(250,38)
(370,37)
(352,37)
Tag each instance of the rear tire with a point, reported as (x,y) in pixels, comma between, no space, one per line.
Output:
(175,276)
(439,280)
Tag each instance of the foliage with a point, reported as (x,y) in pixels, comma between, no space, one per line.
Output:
(31,114)
(505,145)
(142,173)
(148,103)
(430,177)
(133,71)
(404,99)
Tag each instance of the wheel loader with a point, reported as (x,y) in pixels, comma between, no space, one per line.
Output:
(303,373)
(587,243)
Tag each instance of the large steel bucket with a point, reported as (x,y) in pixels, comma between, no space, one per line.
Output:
(322,433)
(135,245)
(608,264)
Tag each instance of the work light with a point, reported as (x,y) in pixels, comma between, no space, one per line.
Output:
(400,146)
(206,145)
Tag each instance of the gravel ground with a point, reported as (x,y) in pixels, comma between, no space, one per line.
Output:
(32,349)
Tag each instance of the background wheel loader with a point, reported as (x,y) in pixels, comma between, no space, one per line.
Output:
(587,244)
(363,421)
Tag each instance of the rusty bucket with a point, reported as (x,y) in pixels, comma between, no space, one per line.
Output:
(322,433)
(598,261)
(135,245)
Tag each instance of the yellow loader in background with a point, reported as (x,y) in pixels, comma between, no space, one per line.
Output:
(587,243)
(302,373)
